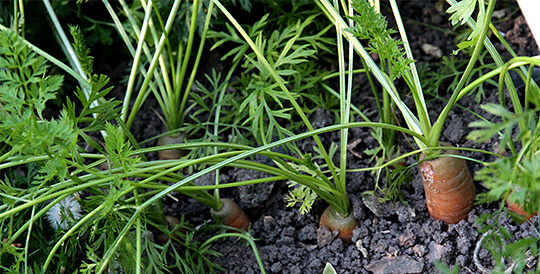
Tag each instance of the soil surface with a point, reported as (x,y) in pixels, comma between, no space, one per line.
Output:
(397,237)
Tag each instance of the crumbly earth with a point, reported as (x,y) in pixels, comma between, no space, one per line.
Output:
(397,237)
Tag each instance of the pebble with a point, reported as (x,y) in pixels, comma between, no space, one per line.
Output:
(400,264)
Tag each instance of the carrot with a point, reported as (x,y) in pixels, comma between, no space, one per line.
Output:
(231,215)
(519,210)
(450,191)
(172,222)
(334,221)
(170,154)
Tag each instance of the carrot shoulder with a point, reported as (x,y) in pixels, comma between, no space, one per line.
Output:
(449,188)
(232,215)
(333,221)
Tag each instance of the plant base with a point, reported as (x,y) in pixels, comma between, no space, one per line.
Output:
(231,215)
(171,154)
(345,225)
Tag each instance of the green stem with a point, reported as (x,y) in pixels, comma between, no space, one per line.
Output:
(413,78)
(153,64)
(197,60)
(412,121)
(344,115)
(439,124)
(281,84)
(187,53)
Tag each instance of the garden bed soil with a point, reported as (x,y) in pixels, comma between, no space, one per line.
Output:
(397,237)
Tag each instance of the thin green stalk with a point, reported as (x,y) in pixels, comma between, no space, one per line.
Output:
(188,53)
(179,62)
(27,243)
(317,185)
(439,124)
(336,74)
(127,42)
(138,252)
(112,249)
(416,86)
(16,17)
(518,109)
(344,103)
(411,120)
(495,54)
(153,63)
(191,37)
(261,149)
(528,83)
(189,188)
(218,108)
(28,224)
(136,59)
(353,107)
(495,72)
(110,252)
(65,43)
(167,93)
(56,190)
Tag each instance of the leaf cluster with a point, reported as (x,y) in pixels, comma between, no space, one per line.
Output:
(302,194)
(372,26)
(461,12)
(291,51)
(24,91)
(513,177)
(82,51)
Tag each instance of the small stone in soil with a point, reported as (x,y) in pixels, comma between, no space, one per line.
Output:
(401,264)
(276,268)
(406,213)
(432,50)
(372,202)
(325,236)
(438,252)
(358,211)
(361,248)
(407,239)
(420,250)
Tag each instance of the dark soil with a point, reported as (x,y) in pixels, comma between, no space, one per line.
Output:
(396,237)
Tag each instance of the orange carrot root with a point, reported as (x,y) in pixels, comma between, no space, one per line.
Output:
(450,191)
(231,215)
(170,154)
(172,222)
(333,221)
(519,210)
